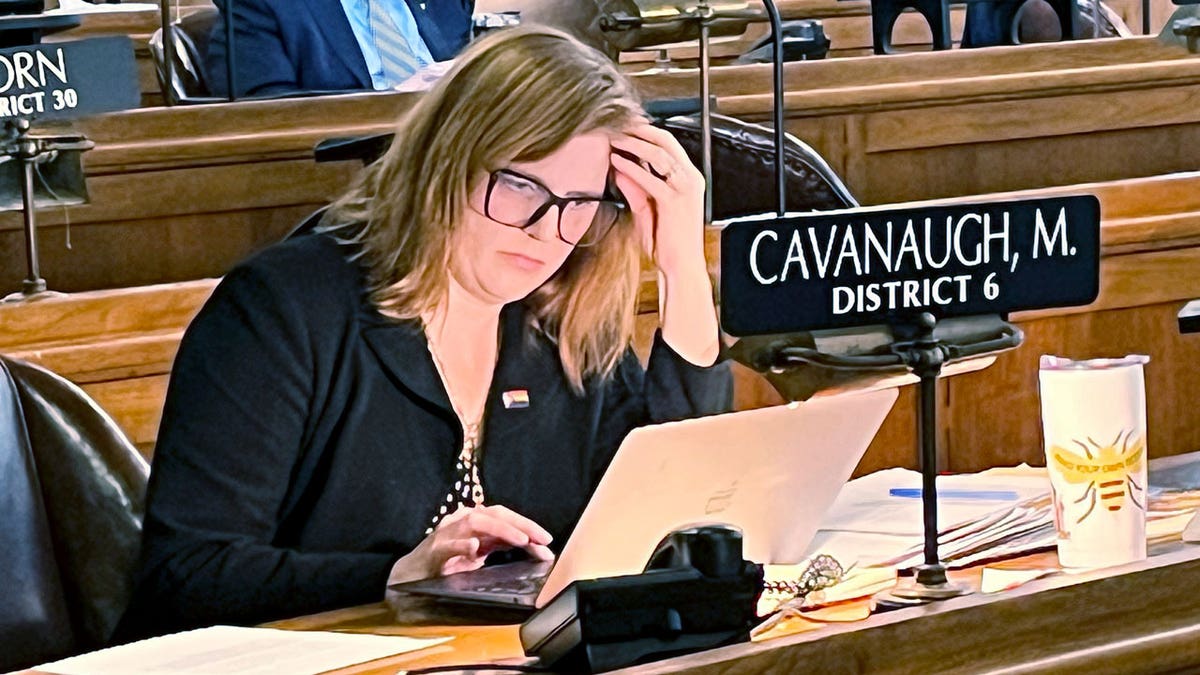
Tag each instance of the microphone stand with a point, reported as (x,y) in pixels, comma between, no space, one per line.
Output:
(32,151)
(705,16)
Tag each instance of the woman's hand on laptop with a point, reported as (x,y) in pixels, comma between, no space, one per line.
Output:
(462,541)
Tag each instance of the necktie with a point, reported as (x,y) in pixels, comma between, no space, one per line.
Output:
(397,57)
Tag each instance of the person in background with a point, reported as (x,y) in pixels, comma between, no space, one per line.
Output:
(1036,21)
(444,368)
(288,46)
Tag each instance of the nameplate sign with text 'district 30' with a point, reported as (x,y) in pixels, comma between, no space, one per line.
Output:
(66,80)
(876,266)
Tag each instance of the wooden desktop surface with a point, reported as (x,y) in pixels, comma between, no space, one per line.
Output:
(1137,618)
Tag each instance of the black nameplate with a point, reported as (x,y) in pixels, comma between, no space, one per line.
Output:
(68,79)
(876,266)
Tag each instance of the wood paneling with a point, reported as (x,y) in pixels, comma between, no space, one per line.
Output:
(136,403)
(979,439)
(917,126)
(118,345)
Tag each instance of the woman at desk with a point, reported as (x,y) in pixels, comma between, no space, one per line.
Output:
(443,369)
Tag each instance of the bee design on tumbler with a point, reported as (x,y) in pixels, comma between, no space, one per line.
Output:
(1106,469)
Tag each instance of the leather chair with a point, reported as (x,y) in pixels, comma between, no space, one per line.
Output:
(72,492)
(744,168)
(190,36)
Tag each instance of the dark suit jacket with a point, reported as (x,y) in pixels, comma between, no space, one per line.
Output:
(285,46)
(307,442)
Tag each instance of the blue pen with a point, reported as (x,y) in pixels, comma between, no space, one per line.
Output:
(995,495)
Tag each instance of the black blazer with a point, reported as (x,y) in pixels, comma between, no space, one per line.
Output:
(285,46)
(307,441)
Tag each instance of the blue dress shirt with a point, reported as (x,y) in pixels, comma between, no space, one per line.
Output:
(402,18)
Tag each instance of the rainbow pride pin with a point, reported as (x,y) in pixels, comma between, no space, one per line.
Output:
(515,398)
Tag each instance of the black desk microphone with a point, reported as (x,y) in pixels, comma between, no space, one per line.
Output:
(1189,317)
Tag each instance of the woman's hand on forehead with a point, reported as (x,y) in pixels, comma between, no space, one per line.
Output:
(665,192)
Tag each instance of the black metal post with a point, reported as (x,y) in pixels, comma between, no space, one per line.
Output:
(777,82)
(18,146)
(230,52)
(705,114)
(928,369)
(34,283)
(168,47)
(925,356)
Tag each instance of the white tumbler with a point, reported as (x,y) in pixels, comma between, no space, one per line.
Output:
(1094,428)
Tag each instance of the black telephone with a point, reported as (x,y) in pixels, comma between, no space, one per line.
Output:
(697,592)
(803,40)
(1189,317)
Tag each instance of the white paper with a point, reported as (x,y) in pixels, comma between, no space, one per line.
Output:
(868,527)
(230,650)
(1191,533)
(425,78)
(863,549)
(81,7)
(864,505)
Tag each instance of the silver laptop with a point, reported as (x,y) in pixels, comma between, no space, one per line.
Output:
(772,472)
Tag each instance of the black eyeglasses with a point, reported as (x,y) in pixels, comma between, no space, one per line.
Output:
(518,200)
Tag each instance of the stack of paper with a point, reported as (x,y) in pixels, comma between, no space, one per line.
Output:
(999,513)
(1021,529)
(868,526)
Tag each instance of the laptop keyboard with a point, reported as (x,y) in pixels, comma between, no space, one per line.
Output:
(525,584)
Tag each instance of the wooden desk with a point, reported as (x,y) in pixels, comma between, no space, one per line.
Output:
(1136,618)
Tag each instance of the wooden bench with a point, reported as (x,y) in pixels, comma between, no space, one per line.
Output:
(119,344)
(919,126)
(847,24)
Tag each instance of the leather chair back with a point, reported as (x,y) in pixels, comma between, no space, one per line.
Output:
(90,491)
(744,168)
(34,622)
(190,37)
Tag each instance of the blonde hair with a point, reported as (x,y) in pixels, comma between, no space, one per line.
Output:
(515,96)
